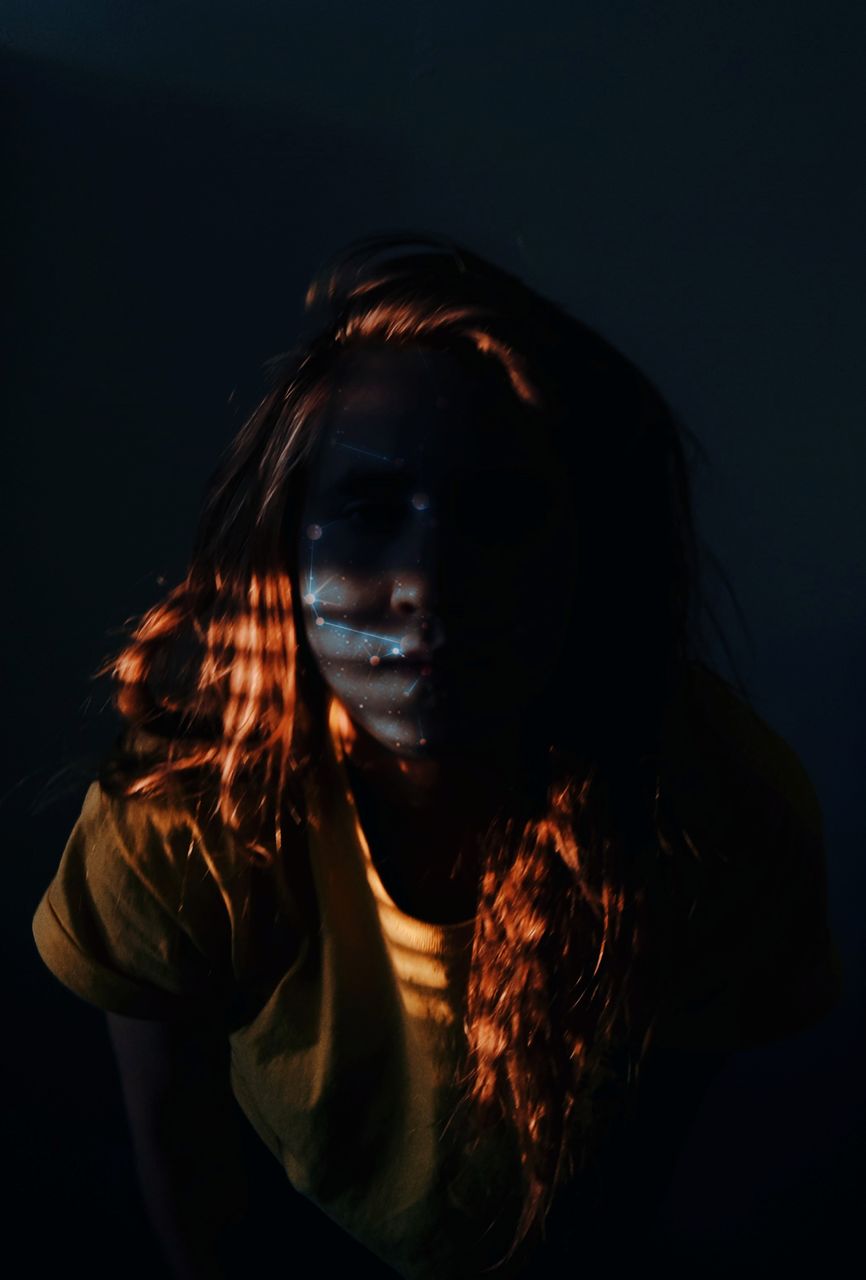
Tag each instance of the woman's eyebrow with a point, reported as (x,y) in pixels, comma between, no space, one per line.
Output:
(383,480)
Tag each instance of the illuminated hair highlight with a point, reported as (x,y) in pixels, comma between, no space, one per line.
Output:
(576,924)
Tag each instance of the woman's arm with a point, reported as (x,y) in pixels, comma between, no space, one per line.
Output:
(186,1138)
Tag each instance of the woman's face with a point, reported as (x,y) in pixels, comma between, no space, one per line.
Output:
(435,562)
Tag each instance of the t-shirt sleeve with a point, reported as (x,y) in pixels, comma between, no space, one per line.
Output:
(790,972)
(131,921)
(763,963)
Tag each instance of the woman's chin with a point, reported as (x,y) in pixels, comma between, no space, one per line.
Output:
(434,728)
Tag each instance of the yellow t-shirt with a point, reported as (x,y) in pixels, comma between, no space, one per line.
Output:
(344,1032)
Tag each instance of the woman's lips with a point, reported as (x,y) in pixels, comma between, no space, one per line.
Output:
(440,668)
(414,666)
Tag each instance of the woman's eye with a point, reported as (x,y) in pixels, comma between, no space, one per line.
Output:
(375,516)
(504,506)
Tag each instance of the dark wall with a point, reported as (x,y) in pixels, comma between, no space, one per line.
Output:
(686,177)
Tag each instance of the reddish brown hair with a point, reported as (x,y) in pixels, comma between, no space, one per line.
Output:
(574,928)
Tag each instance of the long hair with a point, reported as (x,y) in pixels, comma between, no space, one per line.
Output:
(575,927)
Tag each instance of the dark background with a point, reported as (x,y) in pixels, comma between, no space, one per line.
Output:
(687,178)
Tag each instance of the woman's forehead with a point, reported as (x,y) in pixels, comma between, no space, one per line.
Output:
(392,376)
(410,400)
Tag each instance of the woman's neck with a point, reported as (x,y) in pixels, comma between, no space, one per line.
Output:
(463,782)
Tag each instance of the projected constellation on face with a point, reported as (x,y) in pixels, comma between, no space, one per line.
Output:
(313,595)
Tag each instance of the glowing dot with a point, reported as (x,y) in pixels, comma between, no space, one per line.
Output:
(310,597)
(420,501)
(423,742)
(375,660)
(314,531)
(320,622)
(395,650)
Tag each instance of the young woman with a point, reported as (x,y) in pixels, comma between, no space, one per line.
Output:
(429,830)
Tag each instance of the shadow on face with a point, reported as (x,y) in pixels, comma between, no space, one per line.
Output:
(435,556)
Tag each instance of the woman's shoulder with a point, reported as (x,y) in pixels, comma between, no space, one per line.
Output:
(722,751)
(760,958)
(162,826)
(134,789)
(154,899)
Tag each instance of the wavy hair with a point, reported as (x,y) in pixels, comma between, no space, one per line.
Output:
(575,927)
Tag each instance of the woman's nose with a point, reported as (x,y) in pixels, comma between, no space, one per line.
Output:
(412,594)
(416,563)
(415,606)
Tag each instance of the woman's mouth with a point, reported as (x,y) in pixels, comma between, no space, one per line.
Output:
(417,666)
(440,669)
